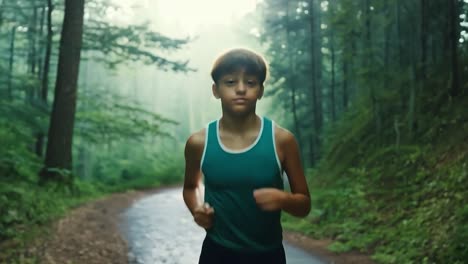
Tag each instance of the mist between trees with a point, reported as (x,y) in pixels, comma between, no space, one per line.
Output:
(90,106)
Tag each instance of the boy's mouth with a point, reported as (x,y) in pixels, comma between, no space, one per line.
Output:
(240,100)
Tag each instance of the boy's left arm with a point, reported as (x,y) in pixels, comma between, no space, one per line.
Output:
(297,202)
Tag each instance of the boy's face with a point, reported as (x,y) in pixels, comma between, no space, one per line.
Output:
(238,92)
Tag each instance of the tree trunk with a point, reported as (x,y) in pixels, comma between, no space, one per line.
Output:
(352,66)
(1,13)
(39,62)
(32,32)
(313,84)
(412,114)
(11,62)
(332,86)
(318,70)
(345,85)
(400,34)
(402,88)
(386,46)
(39,149)
(423,41)
(45,74)
(454,36)
(367,64)
(316,61)
(292,78)
(58,161)
(45,71)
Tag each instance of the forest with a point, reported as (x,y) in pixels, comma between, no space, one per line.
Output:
(375,92)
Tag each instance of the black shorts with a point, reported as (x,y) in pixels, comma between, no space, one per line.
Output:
(213,253)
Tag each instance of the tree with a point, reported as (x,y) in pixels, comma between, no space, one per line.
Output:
(45,69)
(315,83)
(58,161)
(454,35)
(10,62)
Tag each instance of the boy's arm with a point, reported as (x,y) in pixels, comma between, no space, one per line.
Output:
(192,191)
(297,202)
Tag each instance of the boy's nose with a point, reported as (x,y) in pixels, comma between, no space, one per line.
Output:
(240,87)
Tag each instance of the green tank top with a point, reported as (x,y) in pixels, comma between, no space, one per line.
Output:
(230,177)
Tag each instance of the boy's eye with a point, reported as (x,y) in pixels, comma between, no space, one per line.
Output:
(230,82)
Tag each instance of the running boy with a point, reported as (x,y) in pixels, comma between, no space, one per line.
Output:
(241,158)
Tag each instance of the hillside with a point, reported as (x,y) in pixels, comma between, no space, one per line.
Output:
(401,203)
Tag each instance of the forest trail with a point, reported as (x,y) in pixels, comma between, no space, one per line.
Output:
(97,233)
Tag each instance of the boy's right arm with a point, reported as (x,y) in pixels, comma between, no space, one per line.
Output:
(193,193)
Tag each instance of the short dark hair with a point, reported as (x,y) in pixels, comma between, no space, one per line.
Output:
(240,59)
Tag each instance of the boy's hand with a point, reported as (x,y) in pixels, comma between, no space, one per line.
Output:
(203,215)
(269,199)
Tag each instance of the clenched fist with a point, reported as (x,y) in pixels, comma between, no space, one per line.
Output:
(203,215)
(269,199)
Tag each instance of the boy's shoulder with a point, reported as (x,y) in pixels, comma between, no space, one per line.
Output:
(283,135)
(195,144)
(197,138)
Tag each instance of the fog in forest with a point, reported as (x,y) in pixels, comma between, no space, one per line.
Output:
(100,96)
(213,27)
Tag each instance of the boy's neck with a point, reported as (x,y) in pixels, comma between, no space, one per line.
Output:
(239,124)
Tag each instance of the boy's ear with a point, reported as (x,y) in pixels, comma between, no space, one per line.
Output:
(214,89)
(260,95)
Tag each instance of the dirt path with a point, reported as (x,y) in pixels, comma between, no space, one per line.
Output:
(90,234)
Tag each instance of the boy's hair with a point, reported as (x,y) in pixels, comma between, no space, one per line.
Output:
(240,59)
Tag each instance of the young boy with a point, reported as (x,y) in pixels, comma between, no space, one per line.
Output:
(241,158)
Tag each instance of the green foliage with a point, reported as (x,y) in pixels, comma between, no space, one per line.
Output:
(25,206)
(113,44)
(137,167)
(139,170)
(403,203)
(104,117)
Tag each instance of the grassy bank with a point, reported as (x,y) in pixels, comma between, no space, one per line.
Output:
(27,209)
(401,203)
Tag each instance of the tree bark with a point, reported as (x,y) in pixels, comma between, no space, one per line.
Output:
(423,65)
(403,89)
(45,71)
(11,62)
(399,33)
(412,114)
(345,85)
(332,86)
(1,12)
(40,65)
(454,36)
(386,46)
(39,149)
(318,70)
(58,161)
(315,82)
(32,32)
(367,64)
(292,78)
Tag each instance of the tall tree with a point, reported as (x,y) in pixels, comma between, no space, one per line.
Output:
(423,41)
(292,79)
(11,61)
(59,144)
(45,70)
(454,36)
(331,40)
(314,84)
